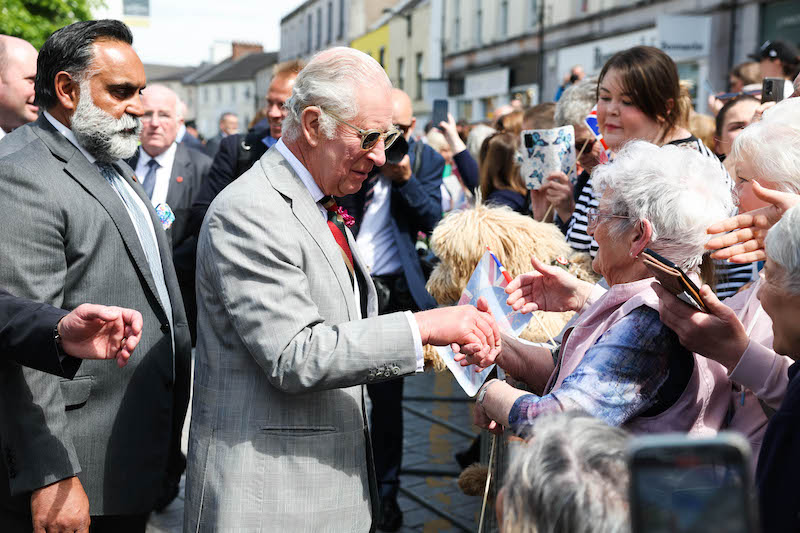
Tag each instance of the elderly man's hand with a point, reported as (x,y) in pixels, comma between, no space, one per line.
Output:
(60,507)
(399,173)
(547,288)
(558,191)
(101,332)
(745,243)
(718,335)
(471,331)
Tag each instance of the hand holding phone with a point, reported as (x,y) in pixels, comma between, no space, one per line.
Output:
(772,90)
(439,112)
(673,279)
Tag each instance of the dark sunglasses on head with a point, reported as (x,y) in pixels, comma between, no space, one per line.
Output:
(370,138)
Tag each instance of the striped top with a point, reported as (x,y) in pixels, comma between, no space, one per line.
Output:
(729,277)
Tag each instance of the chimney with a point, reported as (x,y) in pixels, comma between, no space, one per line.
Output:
(240,49)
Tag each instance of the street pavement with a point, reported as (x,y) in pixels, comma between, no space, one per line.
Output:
(427,452)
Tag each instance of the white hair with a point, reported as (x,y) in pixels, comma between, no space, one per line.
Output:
(772,147)
(331,80)
(158,87)
(572,476)
(475,139)
(576,103)
(783,247)
(680,191)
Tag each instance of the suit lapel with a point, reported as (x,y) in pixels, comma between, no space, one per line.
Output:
(180,168)
(285,181)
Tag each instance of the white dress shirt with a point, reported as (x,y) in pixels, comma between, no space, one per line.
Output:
(2,133)
(316,195)
(163,173)
(376,240)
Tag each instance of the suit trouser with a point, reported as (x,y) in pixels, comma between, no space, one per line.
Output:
(386,419)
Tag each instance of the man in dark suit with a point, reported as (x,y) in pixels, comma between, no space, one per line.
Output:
(228,125)
(390,209)
(52,340)
(171,174)
(237,153)
(83,230)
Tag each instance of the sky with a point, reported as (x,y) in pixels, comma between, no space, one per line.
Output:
(181,32)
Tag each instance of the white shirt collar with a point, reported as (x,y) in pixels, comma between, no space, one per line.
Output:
(301,171)
(66,132)
(2,133)
(164,159)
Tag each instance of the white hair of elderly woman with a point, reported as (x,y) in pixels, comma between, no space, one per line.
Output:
(680,192)
(478,134)
(571,476)
(576,102)
(783,247)
(331,80)
(772,147)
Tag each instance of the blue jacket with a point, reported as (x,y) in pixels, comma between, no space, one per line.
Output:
(416,206)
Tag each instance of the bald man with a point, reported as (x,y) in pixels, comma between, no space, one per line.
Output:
(390,209)
(17,74)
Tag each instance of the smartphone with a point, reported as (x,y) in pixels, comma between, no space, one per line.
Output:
(673,279)
(439,112)
(772,89)
(680,484)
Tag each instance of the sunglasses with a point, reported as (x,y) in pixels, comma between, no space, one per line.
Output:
(370,138)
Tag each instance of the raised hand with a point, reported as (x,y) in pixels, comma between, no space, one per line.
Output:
(558,191)
(101,332)
(471,331)
(745,242)
(450,132)
(718,335)
(547,288)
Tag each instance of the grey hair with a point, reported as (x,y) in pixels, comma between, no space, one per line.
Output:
(178,103)
(475,139)
(783,247)
(330,81)
(576,103)
(772,147)
(571,477)
(678,190)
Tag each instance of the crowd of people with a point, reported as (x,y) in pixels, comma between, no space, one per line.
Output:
(289,258)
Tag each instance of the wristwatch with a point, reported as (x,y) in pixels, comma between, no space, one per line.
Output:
(482,392)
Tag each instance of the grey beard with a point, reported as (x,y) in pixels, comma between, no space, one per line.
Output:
(102,135)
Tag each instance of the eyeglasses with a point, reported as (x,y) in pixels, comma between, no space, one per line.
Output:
(593,217)
(369,138)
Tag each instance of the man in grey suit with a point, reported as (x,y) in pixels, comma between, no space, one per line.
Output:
(80,228)
(288,325)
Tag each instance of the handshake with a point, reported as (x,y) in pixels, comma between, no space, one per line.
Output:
(470,331)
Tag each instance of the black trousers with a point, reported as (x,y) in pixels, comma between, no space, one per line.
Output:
(386,420)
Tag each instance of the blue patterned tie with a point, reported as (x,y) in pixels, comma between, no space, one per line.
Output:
(143,229)
(149,181)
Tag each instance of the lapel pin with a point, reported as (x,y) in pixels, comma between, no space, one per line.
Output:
(179,179)
(133,177)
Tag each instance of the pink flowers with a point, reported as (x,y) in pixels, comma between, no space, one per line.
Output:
(346,218)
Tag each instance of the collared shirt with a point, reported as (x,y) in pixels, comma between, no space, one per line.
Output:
(269,141)
(376,240)
(181,133)
(2,133)
(163,173)
(316,195)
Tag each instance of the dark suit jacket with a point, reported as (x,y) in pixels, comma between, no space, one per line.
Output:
(193,142)
(189,171)
(26,336)
(416,206)
(212,144)
(225,169)
(73,242)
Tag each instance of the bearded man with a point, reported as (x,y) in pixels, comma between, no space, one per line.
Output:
(79,227)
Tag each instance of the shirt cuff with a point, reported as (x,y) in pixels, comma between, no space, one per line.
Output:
(417,341)
(756,368)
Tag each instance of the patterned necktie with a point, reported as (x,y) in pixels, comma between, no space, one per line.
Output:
(149,182)
(337,227)
(369,190)
(143,226)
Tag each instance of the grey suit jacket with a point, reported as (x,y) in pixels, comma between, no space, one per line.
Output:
(68,239)
(277,438)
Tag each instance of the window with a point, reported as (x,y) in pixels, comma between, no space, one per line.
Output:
(219,94)
(319,27)
(457,25)
(310,34)
(503,28)
(382,55)
(340,33)
(233,93)
(205,95)
(247,93)
(401,74)
(534,12)
(479,24)
(420,76)
(330,23)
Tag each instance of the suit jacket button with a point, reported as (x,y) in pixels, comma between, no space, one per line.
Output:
(165,328)
(396,370)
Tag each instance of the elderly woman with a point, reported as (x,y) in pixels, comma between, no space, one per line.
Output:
(779,462)
(619,362)
(571,476)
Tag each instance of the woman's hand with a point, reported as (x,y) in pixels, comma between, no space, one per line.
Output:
(558,191)
(547,288)
(450,133)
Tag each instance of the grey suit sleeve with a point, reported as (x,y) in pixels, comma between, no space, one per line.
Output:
(33,427)
(253,259)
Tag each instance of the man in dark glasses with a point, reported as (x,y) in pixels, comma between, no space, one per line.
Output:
(288,320)
(390,210)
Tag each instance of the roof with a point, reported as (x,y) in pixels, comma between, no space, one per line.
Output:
(298,9)
(244,68)
(167,72)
